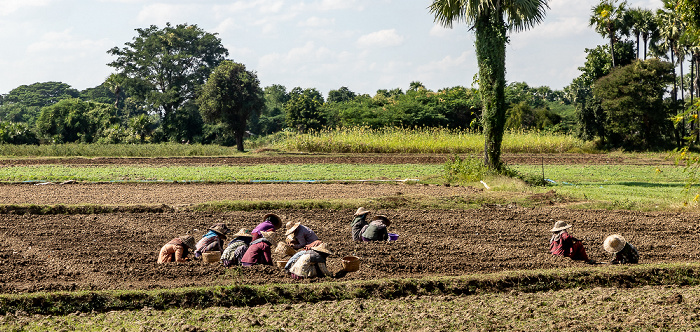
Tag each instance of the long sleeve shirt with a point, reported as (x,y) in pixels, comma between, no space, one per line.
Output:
(628,255)
(356,227)
(303,236)
(259,252)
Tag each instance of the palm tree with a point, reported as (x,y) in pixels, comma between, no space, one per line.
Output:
(643,26)
(610,19)
(491,20)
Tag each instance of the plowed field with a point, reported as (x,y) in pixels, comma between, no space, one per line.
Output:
(118,251)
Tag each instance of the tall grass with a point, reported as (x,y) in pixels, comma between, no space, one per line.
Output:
(115,150)
(426,140)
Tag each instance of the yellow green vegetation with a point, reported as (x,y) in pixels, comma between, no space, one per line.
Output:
(428,140)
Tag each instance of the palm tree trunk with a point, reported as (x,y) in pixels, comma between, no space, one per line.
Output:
(491,56)
(612,47)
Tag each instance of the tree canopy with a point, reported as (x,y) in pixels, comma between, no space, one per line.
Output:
(164,68)
(230,96)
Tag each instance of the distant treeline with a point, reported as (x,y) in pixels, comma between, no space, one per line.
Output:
(54,112)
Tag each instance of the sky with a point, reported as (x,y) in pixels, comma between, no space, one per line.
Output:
(364,45)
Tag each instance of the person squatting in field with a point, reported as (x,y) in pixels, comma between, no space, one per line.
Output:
(259,251)
(359,221)
(271,222)
(299,236)
(235,250)
(310,263)
(563,244)
(622,251)
(176,250)
(213,240)
(376,230)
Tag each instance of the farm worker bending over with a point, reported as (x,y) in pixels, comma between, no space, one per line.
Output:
(213,240)
(312,263)
(259,252)
(358,222)
(300,236)
(236,248)
(176,250)
(563,244)
(271,222)
(376,230)
(623,251)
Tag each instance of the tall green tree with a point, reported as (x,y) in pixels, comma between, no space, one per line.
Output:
(632,98)
(164,68)
(304,110)
(611,21)
(491,20)
(230,96)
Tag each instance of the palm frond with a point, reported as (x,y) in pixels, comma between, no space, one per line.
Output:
(524,14)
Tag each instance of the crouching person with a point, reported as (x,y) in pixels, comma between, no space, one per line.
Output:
(299,236)
(176,250)
(623,251)
(235,250)
(377,230)
(212,241)
(359,221)
(563,244)
(259,252)
(312,263)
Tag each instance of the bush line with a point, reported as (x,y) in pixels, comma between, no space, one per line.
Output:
(61,303)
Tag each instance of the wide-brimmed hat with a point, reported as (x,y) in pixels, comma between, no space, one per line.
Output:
(323,247)
(188,240)
(614,243)
(220,229)
(361,211)
(243,232)
(292,229)
(274,219)
(560,225)
(383,218)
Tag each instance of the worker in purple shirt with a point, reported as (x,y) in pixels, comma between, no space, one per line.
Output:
(300,236)
(271,222)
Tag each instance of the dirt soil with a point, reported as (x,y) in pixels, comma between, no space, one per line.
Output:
(119,250)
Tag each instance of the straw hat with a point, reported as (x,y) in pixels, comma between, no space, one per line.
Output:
(243,232)
(560,226)
(361,211)
(274,219)
(383,218)
(614,243)
(292,229)
(220,229)
(323,247)
(188,240)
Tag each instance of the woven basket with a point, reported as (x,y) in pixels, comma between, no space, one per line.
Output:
(211,257)
(281,264)
(284,249)
(351,263)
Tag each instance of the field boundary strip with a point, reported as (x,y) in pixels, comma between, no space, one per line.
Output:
(241,295)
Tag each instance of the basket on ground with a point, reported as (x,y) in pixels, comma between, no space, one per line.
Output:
(281,264)
(211,256)
(351,263)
